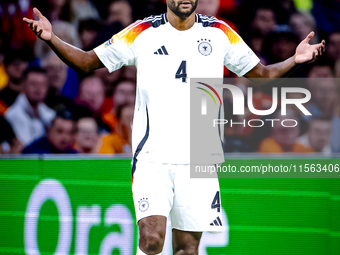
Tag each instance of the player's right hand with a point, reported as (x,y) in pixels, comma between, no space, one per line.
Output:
(42,28)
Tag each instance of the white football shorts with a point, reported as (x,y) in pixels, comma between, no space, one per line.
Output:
(194,204)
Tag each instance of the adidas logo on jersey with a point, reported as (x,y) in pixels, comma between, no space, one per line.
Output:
(161,51)
(216,222)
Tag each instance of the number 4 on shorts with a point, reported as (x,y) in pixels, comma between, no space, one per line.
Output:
(216,202)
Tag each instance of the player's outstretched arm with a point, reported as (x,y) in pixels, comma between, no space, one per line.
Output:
(74,57)
(304,53)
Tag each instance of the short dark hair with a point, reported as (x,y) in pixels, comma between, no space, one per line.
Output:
(274,37)
(34,69)
(65,115)
(89,24)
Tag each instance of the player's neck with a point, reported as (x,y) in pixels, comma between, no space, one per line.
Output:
(179,23)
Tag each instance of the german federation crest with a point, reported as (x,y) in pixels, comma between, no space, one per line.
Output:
(143,204)
(204,47)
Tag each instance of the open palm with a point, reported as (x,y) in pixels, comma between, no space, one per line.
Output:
(42,28)
(306,52)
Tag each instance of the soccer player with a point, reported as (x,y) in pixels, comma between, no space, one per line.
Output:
(168,50)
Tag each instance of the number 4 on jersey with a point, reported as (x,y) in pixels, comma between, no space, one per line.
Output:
(182,71)
(216,204)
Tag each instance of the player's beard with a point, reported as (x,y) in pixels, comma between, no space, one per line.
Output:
(175,8)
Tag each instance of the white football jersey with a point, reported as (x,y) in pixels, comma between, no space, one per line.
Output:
(166,59)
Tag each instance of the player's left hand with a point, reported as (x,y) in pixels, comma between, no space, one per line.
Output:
(306,52)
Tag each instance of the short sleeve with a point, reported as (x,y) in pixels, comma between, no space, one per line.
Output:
(239,57)
(119,50)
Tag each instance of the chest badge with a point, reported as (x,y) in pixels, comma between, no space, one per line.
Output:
(204,47)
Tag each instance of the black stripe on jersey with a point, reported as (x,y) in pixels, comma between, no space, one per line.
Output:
(164,50)
(153,17)
(205,20)
(196,18)
(205,17)
(219,221)
(141,144)
(212,19)
(162,19)
(156,21)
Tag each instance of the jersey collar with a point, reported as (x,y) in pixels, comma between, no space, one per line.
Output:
(197,18)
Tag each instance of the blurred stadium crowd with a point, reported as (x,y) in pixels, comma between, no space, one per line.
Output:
(46,107)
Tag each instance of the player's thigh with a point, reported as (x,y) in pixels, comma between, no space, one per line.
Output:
(184,242)
(152,190)
(152,230)
(197,204)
